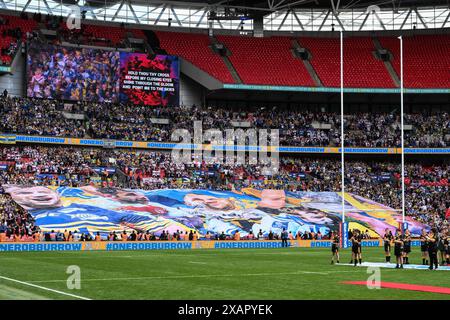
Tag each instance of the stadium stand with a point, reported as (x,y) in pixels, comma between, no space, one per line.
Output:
(257,61)
(195,48)
(426,194)
(99,35)
(267,61)
(13,30)
(117,121)
(358,60)
(426,60)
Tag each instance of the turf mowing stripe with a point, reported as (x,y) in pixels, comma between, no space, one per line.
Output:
(405,286)
(44,288)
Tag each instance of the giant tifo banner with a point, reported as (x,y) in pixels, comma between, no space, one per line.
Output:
(83,74)
(96,209)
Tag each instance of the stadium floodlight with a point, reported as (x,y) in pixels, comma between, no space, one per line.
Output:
(402,129)
(342,122)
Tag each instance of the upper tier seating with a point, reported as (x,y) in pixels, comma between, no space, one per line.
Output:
(266,61)
(9,41)
(426,60)
(195,48)
(112,35)
(361,68)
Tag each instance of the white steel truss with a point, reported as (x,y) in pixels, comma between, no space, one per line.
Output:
(279,16)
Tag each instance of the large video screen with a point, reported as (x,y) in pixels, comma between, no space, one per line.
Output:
(81,74)
(149,80)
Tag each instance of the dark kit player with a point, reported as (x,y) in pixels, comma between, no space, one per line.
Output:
(335,241)
(398,249)
(356,246)
(432,243)
(387,239)
(447,248)
(441,248)
(424,247)
(406,246)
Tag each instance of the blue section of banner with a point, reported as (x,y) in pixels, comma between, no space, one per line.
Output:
(365,243)
(169,245)
(119,246)
(247,245)
(171,145)
(40,246)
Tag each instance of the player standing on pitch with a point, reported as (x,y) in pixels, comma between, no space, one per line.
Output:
(388,237)
(398,249)
(441,247)
(356,246)
(406,246)
(335,240)
(424,247)
(447,247)
(432,243)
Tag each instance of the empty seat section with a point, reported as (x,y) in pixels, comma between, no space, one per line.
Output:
(361,68)
(266,61)
(6,40)
(426,60)
(195,49)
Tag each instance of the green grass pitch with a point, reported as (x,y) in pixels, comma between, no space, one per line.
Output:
(285,273)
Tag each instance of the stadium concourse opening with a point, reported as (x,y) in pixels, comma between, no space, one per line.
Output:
(224,150)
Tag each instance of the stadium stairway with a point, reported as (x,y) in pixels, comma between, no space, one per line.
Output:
(308,66)
(226,60)
(388,64)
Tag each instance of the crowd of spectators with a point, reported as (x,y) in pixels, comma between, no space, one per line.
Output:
(15,221)
(428,131)
(37,117)
(296,128)
(137,123)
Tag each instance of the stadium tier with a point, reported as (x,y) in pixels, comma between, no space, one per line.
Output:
(296,128)
(270,61)
(266,61)
(426,197)
(195,48)
(426,60)
(359,59)
(13,30)
(99,35)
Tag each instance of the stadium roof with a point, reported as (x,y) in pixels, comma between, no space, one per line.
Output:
(274,5)
(249,15)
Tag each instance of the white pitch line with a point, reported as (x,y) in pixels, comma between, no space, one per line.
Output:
(44,288)
(200,276)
